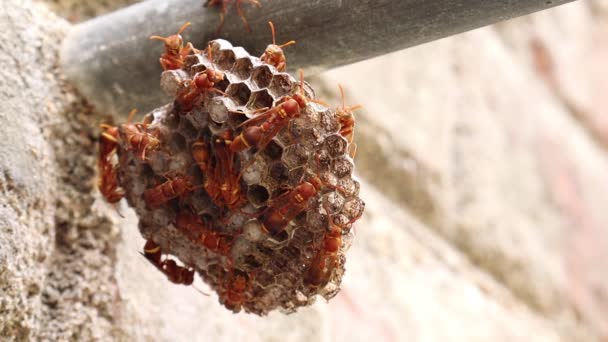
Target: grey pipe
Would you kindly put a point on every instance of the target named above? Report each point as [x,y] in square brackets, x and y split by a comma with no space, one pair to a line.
[114,64]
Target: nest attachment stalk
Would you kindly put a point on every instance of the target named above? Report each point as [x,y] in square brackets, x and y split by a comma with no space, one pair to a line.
[114,64]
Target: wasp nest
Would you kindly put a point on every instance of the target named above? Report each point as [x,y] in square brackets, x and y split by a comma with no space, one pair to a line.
[266,225]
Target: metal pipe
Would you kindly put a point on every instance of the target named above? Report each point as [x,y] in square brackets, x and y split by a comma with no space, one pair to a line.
[114,64]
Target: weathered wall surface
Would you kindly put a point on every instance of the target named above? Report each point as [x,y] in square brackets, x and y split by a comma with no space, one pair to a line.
[77,11]
[26,215]
[57,257]
[483,163]
[497,136]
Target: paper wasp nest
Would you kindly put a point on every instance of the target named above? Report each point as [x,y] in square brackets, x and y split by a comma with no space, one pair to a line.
[250,268]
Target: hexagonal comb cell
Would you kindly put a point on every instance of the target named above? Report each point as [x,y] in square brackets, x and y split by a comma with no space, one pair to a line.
[298,128]
[196,68]
[354,208]
[170,81]
[342,167]
[187,130]
[261,99]
[236,117]
[343,222]
[296,175]
[322,159]
[258,195]
[336,145]
[329,122]
[261,76]
[295,156]
[239,93]
[252,262]
[203,175]
[274,149]
[309,92]
[316,221]
[223,84]
[198,118]
[191,60]
[333,202]
[280,85]
[242,69]
[225,59]
[218,108]
[348,186]
[254,170]
[279,172]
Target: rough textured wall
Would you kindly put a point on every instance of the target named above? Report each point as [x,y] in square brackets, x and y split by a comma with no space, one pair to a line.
[57,251]
[26,165]
[485,210]
[77,11]
[501,139]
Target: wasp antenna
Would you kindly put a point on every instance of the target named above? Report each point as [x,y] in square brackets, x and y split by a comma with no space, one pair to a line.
[301,72]
[291,42]
[274,42]
[118,210]
[200,291]
[109,137]
[164,39]
[131,115]
[209,53]
[342,95]
[181,29]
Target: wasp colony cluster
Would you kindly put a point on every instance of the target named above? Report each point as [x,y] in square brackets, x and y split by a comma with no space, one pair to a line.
[245,179]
